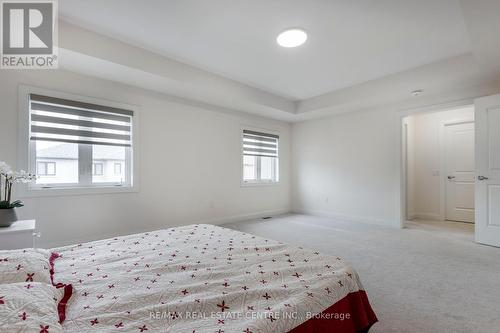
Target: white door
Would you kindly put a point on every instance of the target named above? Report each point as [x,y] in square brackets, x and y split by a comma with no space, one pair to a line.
[460,171]
[488,170]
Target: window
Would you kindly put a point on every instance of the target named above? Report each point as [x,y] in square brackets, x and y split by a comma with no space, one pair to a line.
[260,157]
[91,144]
[46,168]
[97,169]
[118,169]
[66,155]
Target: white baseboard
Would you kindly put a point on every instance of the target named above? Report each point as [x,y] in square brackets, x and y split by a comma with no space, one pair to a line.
[244,217]
[411,216]
[428,216]
[215,221]
[350,218]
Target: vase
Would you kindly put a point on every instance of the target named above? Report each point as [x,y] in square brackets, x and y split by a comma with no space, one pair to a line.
[7,217]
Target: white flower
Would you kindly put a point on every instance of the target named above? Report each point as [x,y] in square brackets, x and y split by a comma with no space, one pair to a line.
[22,177]
[5,169]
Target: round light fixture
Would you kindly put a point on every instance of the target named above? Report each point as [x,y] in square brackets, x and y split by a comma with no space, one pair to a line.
[292,38]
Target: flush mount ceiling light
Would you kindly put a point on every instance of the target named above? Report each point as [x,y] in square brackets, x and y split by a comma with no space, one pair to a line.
[292,38]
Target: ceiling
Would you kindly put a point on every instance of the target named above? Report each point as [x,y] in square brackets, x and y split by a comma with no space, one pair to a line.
[350,42]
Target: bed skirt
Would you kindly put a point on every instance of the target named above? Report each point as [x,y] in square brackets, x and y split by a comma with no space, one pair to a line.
[352,314]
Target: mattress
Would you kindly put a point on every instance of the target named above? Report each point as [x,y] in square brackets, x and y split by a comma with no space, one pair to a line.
[205,278]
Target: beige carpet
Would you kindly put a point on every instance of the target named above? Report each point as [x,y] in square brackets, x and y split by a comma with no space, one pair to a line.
[430,277]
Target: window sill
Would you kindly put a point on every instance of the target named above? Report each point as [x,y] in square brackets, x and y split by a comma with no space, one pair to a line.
[256,184]
[75,191]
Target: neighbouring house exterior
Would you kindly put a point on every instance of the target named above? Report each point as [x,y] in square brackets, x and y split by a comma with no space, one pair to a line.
[58,164]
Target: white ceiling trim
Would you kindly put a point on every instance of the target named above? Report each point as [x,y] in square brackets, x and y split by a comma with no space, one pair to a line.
[92,54]
[100,68]
[350,42]
[118,61]
[483,23]
[432,79]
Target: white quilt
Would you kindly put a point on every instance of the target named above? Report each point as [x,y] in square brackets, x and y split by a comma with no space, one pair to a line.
[198,278]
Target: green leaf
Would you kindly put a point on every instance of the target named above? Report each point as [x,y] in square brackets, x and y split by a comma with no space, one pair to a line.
[17,204]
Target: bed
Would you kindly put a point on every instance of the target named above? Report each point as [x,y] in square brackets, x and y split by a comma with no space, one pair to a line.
[204,278]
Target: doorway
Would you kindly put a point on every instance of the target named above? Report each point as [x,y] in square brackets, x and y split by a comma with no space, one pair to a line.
[439,166]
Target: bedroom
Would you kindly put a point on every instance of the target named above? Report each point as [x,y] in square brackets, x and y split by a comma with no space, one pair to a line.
[168,106]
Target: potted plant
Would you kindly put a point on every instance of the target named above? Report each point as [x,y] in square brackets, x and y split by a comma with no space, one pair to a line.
[7,179]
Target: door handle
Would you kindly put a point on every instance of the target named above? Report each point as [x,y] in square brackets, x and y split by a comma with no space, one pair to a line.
[482,178]
[451,177]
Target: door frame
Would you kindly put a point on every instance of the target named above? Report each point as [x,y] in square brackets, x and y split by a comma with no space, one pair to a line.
[401,189]
[405,166]
[442,165]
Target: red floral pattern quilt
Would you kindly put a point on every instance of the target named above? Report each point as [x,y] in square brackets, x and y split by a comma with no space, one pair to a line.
[29,307]
[27,265]
[198,278]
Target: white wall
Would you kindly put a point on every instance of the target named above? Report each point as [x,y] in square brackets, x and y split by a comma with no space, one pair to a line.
[345,166]
[190,165]
[427,168]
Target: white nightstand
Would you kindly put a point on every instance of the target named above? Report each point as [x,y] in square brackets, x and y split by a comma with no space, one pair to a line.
[19,235]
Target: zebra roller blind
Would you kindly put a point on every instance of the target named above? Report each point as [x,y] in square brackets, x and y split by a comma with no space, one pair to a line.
[260,144]
[61,120]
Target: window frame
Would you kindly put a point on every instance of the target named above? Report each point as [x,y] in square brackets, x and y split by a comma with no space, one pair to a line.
[117,164]
[46,163]
[276,171]
[27,160]
[94,169]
